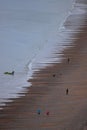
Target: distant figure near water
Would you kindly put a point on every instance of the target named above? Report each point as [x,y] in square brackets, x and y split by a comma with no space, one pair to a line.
[68,60]
[67,91]
[12,72]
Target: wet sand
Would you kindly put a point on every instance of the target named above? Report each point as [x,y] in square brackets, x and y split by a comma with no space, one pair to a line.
[48,93]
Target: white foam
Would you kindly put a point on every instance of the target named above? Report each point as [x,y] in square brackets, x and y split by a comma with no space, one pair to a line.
[45,57]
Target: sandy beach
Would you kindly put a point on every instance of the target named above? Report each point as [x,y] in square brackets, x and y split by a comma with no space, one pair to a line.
[58,110]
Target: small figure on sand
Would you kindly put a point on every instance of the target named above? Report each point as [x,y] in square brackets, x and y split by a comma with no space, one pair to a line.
[54,75]
[67,91]
[47,113]
[38,111]
[68,60]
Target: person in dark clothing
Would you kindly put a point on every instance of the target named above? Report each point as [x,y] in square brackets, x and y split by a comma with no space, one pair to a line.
[38,111]
[68,60]
[54,75]
[67,91]
[47,113]
[12,72]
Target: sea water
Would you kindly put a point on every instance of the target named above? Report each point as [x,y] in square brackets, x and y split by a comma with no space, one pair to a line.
[31,31]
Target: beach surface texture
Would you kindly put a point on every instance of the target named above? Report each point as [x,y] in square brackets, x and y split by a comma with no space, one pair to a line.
[57,99]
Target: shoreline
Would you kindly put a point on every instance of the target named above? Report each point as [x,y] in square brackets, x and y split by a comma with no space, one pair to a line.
[32,101]
[46,35]
[48,93]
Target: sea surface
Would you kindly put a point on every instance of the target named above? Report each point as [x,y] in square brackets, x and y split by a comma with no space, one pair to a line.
[31,31]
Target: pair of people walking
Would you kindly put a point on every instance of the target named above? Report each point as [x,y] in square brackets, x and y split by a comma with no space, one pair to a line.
[39,112]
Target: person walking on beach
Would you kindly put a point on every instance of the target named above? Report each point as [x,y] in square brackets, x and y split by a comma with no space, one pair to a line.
[38,111]
[54,75]
[68,60]
[67,91]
